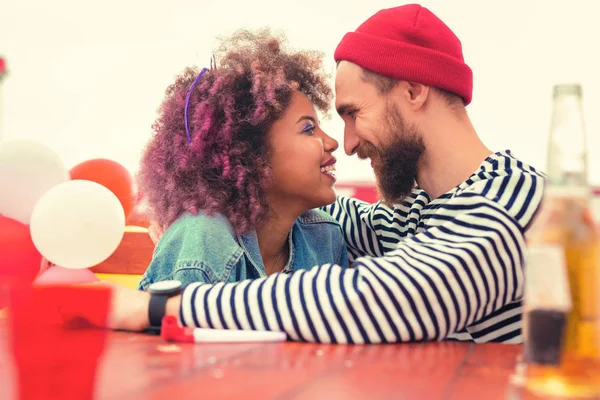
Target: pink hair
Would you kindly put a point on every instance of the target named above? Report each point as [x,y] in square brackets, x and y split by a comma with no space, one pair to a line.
[225,168]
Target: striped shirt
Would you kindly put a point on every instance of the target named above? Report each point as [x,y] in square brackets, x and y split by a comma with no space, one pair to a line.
[449,268]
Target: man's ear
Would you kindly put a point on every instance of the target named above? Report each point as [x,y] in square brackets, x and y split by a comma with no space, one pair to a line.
[413,94]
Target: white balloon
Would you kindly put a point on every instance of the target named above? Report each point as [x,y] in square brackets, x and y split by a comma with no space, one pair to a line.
[77,224]
[27,170]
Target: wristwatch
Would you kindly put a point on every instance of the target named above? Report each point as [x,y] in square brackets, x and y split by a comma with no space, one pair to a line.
[160,292]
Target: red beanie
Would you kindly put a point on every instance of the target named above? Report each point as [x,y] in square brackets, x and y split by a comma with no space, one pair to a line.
[409,43]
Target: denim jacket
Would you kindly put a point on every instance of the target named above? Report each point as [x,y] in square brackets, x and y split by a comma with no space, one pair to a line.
[202,248]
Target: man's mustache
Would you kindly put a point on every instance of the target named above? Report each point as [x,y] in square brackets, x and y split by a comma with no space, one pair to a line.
[366,150]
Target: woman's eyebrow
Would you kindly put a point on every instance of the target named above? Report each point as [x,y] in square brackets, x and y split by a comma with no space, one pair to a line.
[307,117]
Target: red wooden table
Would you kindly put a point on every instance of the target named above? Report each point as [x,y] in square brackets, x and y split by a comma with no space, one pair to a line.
[138,366]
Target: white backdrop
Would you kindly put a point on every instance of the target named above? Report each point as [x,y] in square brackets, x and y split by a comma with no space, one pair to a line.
[86,77]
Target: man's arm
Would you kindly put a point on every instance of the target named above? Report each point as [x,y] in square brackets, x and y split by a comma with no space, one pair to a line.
[435,283]
[369,229]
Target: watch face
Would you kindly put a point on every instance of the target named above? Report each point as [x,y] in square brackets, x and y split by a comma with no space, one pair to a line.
[164,287]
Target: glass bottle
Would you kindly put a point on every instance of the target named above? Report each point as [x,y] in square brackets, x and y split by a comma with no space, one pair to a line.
[562,266]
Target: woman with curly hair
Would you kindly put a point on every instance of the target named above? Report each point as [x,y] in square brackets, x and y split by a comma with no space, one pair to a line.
[238,164]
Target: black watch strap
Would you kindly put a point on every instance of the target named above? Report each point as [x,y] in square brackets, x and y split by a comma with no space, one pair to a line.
[157,309]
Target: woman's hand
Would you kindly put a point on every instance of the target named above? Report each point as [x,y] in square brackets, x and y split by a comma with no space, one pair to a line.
[128,308]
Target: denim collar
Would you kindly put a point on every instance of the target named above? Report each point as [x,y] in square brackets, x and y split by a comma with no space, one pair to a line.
[249,244]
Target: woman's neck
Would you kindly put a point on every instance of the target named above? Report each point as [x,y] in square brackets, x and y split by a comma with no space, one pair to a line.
[273,243]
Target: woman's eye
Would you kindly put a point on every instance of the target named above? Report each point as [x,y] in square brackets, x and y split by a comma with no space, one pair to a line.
[309,130]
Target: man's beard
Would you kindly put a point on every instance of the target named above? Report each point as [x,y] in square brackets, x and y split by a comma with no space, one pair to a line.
[396,163]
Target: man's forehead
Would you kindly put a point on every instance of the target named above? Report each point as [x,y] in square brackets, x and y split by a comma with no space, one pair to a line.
[347,81]
[347,73]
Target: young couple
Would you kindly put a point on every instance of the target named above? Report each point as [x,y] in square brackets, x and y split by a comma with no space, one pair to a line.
[239,163]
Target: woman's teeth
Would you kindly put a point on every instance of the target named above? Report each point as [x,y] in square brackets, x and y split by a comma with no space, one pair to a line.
[330,169]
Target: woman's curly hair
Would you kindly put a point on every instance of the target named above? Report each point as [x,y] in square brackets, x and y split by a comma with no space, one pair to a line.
[225,169]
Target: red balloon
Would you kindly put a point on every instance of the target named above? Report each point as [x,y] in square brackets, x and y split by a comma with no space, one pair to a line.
[19,259]
[111,175]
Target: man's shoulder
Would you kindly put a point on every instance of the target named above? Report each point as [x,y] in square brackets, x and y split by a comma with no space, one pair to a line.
[505,162]
[507,174]
[510,183]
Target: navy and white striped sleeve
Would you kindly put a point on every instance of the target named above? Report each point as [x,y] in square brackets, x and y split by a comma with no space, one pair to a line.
[367,227]
[434,284]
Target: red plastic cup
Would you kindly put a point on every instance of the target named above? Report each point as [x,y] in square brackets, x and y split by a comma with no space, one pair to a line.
[56,352]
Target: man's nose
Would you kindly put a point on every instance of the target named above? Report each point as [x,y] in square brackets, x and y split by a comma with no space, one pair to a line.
[351,140]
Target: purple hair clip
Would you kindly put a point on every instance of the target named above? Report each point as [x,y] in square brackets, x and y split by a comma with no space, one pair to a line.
[187,104]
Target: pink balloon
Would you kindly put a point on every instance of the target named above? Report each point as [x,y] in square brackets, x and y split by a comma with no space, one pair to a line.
[60,275]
